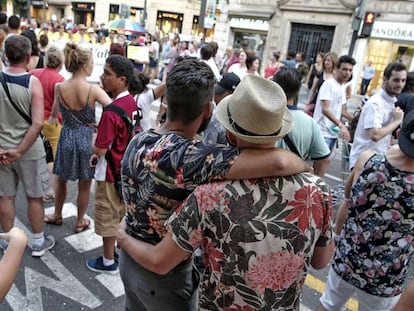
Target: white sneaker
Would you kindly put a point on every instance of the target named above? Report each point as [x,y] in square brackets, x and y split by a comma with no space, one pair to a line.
[40,250]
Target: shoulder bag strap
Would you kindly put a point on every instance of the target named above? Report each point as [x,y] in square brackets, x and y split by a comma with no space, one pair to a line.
[122,113]
[6,89]
[291,146]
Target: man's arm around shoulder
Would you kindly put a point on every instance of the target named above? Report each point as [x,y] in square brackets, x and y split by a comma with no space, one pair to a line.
[160,258]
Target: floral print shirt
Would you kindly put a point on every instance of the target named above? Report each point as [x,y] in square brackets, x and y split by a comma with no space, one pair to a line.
[159,172]
[258,238]
[376,243]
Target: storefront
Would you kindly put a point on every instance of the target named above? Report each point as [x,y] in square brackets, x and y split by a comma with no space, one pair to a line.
[199,32]
[249,33]
[40,10]
[390,41]
[84,12]
[169,22]
[134,13]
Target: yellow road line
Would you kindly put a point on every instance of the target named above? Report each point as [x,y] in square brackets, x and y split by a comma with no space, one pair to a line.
[319,286]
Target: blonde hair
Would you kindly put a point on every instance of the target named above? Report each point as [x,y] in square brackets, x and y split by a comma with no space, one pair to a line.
[76,57]
[53,57]
[334,57]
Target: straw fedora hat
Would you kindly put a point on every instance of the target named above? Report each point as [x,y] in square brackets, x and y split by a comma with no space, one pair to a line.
[256,112]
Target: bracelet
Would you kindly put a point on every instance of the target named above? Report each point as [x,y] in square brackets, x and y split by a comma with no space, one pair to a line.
[347,199]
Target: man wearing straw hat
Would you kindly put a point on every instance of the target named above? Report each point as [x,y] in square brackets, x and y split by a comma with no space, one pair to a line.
[259,236]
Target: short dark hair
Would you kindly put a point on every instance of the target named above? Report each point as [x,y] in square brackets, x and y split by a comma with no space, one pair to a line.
[395,66]
[345,59]
[190,87]
[17,48]
[138,83]
[276,55]
[206,52]
[43,40]
[250,60]
[122,66]
[289,81]
[14,22]
[409,84]
[291,54]
[3,18]
[30,34]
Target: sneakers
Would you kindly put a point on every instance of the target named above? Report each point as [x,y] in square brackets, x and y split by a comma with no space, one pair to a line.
[38,251]
[98,266]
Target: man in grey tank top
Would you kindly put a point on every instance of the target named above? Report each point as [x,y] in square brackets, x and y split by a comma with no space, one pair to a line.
[22,155]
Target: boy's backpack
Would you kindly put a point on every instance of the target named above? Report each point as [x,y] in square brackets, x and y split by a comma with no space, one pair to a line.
[132,130]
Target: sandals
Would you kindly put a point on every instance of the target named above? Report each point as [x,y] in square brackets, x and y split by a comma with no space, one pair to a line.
[83,226]
[53,220]
[57,221]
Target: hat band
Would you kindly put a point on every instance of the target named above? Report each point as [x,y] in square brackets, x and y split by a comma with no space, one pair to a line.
[242,131]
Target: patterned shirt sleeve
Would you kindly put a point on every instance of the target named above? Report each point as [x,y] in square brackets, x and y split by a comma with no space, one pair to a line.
[185,224]
[203,163]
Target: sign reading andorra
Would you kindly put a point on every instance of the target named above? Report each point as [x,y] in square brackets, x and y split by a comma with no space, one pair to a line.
[392,30]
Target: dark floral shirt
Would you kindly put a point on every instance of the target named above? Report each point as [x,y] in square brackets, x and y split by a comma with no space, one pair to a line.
[258,238]
[159,172]
[376,243]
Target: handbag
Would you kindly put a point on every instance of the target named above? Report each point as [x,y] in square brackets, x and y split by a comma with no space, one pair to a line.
[46,143]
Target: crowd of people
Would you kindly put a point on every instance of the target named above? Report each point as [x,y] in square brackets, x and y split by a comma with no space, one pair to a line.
[223,180]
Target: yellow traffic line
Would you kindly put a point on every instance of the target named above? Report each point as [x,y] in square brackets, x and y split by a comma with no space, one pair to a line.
[320,286]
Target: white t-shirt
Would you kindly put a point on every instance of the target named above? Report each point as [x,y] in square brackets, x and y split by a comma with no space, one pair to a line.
[239,71]
[333,91]
[213,67]
[376,113]
[145,100]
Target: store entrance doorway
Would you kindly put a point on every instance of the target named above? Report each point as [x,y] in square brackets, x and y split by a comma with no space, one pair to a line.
[311,39]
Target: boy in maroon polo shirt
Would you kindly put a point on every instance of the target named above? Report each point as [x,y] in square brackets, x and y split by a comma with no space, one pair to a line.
[113,137]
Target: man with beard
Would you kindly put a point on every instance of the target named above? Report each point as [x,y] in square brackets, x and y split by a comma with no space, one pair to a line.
[379,116]
[162,167]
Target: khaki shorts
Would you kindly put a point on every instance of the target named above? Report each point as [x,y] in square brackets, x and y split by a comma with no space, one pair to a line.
[32,173]
[52,133]
[109,209]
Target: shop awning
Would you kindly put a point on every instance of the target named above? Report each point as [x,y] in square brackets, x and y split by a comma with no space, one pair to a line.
[252,13]
[39,4]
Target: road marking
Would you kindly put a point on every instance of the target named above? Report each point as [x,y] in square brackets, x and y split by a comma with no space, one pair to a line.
[112,282]
[84,241]
[320,286]
[302,307]
[67,285]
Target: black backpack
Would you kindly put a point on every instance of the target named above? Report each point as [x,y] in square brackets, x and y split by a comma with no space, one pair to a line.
[132,130]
